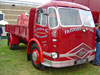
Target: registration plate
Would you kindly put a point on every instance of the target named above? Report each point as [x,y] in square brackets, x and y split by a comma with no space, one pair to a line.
[80,61]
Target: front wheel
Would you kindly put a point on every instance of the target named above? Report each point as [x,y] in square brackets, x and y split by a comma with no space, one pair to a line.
[35,57]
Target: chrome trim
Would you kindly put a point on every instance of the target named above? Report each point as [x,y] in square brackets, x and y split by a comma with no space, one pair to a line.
[59,64]
[72,54]
[47,54]
[50,63]
[34,56]
[91,58]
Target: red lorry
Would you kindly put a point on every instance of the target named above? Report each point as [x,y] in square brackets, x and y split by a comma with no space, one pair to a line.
[58,34]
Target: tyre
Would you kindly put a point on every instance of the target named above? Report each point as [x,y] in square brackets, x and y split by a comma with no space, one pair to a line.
[8,39]
[35,57]
[12,46]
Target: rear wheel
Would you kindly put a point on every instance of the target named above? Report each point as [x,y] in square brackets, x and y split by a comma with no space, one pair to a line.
[35,57]
[12,46]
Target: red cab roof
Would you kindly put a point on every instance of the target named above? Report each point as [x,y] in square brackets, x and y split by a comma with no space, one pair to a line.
[63,4]
[94,5]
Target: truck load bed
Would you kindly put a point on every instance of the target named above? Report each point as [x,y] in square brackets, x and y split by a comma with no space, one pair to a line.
[21,29]
[18,30]
[23,19]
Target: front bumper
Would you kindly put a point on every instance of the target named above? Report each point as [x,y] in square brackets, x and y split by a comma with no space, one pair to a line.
[59,64]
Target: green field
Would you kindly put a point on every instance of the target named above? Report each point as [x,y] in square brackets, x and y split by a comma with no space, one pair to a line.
[15,63]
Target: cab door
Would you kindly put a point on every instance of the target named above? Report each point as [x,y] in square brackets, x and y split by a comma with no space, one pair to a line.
[41,29]
[54,30]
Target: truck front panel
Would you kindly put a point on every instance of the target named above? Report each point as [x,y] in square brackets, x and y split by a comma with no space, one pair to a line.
[71,38]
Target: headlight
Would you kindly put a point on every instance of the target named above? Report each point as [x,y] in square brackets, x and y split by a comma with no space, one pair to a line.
[83,30]
[54,55]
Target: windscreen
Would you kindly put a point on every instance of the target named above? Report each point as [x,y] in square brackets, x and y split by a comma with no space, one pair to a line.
[69,16]
[53,22]
[87,19]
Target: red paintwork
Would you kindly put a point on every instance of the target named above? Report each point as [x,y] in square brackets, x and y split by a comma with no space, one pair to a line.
[9,42]
[63,4]
[29,47]
[94,5]
[20,31]
[22,19]
[74,42]
[13,38]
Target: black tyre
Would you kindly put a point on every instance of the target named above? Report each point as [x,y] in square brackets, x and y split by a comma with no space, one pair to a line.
[35,57]
[8,39]
[12,46]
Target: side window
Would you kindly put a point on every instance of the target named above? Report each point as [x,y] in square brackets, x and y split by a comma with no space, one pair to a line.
[42,18]
[39,17]
[52,18]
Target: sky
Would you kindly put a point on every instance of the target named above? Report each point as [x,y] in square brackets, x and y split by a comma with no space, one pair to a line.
[39,1]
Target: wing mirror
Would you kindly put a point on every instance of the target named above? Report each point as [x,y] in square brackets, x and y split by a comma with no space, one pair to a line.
[42,11]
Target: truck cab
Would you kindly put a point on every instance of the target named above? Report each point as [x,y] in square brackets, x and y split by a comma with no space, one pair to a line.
[66,33]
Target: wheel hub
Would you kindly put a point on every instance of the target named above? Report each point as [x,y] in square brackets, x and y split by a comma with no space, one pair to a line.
[34,56]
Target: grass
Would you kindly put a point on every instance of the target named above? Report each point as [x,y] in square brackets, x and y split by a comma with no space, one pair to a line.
[4,37]
[15,63]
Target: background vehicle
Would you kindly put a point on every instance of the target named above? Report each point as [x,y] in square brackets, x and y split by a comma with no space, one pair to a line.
[57,35]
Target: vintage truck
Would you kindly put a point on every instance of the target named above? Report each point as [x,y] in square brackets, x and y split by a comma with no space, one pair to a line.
[57,34]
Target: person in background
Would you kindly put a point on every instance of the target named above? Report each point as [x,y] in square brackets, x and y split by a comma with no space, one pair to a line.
[97,52]
[0,34]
